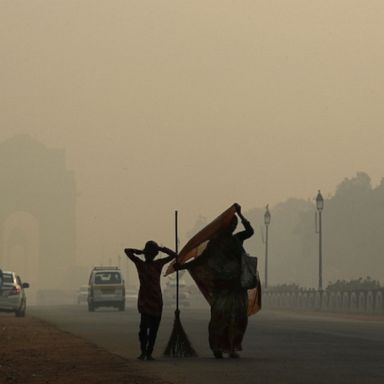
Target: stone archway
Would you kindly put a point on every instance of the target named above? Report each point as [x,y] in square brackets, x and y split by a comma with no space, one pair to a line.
[20,245]
[37,212]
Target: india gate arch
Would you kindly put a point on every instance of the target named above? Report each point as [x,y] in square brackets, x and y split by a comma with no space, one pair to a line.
[37,213]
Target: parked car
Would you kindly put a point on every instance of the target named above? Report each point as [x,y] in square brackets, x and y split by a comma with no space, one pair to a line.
[82,294]
[106,288]
[12,294]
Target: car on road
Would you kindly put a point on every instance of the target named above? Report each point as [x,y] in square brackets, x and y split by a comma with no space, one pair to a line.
[82,294]
[106,288]
[12,294]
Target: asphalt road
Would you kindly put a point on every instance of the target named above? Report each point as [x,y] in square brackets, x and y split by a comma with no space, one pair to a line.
[279,347]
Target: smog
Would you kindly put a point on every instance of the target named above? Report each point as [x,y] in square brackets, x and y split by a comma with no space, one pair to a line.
[116,115]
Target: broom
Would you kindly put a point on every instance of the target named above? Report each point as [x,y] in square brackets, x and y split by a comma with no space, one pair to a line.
[178,344]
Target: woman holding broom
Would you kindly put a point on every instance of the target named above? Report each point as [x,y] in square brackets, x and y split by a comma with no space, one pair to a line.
[220,263]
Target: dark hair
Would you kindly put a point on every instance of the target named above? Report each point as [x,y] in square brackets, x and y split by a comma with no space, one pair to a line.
[151,249]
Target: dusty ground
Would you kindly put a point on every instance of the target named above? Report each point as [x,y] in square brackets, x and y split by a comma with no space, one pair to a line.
[32,351]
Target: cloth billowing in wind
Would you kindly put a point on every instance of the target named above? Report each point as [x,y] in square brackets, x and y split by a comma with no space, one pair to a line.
[201,274]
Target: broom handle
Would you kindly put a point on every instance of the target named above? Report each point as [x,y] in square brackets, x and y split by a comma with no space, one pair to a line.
[177,254]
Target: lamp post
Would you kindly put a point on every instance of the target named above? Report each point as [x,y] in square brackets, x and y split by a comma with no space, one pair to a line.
[320,206]
[267,221]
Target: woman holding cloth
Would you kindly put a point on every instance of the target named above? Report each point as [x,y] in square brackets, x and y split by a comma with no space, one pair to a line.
[219,265]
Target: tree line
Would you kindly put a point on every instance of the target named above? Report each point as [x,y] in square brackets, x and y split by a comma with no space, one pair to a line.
[353,236]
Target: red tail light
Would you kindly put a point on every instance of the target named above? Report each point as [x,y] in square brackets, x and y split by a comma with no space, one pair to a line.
[15,291]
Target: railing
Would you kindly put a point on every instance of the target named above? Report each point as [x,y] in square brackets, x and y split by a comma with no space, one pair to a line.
[351,301]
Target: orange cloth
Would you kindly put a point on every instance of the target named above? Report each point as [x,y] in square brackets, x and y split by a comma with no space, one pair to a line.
[195,247]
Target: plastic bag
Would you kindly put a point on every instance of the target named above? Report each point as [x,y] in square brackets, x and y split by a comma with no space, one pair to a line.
[248,277]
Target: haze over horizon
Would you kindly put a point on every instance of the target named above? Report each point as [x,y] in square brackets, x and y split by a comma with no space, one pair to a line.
[193,106]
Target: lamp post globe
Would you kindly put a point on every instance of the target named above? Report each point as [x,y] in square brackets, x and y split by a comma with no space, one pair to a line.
[319,201]
[267,216]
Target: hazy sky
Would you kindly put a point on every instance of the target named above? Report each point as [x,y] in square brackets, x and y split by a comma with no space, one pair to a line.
[193,105]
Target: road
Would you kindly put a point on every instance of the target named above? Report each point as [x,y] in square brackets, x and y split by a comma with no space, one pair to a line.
[279,347]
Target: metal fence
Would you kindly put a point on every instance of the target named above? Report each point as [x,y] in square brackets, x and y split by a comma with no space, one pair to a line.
[351,301]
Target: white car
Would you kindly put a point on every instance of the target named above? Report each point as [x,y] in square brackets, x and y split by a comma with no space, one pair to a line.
[106,288]
[12,295]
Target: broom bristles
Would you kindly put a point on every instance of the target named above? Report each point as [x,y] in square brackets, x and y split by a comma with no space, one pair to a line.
[179,344]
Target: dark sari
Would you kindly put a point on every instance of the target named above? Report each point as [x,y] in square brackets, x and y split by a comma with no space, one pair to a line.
[219,266]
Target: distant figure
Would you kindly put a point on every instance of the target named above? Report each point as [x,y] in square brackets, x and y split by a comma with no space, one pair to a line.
[221,263]
[150,301]
[1,278]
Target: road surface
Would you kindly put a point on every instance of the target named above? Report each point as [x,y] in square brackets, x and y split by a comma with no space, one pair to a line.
[279,347]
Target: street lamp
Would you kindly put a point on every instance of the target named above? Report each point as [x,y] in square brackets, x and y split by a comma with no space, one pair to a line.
[320,206]
[267,221]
